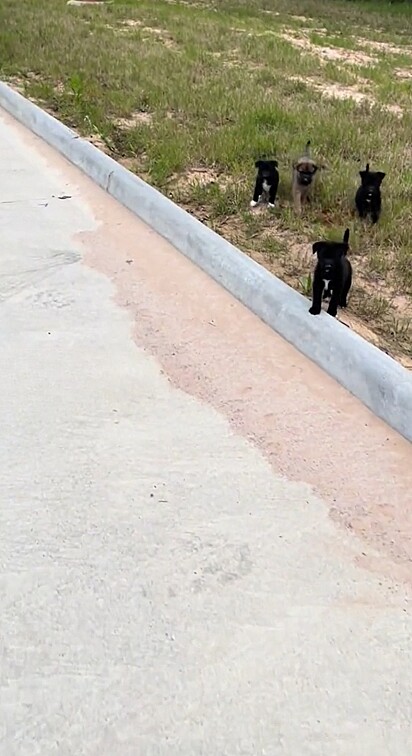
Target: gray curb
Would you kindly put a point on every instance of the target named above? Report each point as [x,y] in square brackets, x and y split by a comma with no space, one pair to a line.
[376,379]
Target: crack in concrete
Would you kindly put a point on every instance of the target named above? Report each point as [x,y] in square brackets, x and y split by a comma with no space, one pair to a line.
[108,180]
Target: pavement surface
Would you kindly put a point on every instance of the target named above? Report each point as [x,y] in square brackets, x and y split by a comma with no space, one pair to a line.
[205,542]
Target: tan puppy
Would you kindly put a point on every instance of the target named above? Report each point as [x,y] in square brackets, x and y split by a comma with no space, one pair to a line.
[304,171]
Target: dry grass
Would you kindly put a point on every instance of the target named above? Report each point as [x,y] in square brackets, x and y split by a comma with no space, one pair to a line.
[189,94]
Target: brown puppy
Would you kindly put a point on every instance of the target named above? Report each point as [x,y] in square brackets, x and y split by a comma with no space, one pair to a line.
[304,171]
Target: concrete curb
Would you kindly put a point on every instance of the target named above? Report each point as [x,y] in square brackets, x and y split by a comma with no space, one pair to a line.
[383,385]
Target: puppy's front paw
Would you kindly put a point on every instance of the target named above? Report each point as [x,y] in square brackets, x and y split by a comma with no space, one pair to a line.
[253,203]
[271,205]
[344,303]
[314,310]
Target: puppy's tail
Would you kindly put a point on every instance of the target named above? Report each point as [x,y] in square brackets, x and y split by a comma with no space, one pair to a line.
[346,237]
[307,149]
[367,168]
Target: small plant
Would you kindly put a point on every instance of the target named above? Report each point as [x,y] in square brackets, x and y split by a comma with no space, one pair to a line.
[400,327]
[76,84]
[305,283]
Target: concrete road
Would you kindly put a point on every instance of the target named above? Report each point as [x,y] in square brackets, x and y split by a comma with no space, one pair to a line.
[205,542]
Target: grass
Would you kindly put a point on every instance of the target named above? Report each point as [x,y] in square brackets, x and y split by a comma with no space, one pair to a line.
[189,93]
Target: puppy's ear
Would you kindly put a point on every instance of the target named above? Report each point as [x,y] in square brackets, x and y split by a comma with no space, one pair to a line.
[380,176]
[274,163]
[346,236]
[317,247]
[259,163]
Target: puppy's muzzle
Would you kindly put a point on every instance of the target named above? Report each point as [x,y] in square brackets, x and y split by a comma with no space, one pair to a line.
[305,179]
[327,271]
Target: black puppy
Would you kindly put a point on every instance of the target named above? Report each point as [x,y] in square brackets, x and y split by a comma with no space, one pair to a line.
[333,275]
[368,197]
[267,180]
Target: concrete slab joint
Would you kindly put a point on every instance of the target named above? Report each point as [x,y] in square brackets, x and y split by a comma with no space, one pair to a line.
[382,384]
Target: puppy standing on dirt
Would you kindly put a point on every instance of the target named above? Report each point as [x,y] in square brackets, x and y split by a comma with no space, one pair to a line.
[267,180]
[304,171]
[368,197]
[333,275]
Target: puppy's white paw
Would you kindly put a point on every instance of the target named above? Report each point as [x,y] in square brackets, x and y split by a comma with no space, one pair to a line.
[253,203]
[271,205]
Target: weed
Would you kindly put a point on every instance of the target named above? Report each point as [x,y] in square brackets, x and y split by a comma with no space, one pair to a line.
[306,285]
